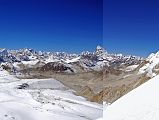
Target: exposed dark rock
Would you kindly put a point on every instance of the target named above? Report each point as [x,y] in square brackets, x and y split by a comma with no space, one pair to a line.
[23,86]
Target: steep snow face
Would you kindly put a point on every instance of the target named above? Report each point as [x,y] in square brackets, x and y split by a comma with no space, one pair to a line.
[149,68]
[42,99]
[140,104]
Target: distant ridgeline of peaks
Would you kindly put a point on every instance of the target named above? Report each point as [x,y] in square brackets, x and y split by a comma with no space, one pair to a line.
[96,60]
[30,54]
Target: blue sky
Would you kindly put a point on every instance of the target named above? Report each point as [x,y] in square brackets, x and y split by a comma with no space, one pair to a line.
[52,25]
[131,26]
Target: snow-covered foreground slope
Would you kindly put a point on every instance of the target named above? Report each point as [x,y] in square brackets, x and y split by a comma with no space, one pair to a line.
[140,104]
[44,99]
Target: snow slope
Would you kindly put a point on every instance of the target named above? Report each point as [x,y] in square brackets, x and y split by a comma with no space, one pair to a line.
[149,68]
[44,99]
[140,104]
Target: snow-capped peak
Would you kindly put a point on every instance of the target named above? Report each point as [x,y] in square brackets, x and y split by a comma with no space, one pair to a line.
[151,67]
[153,56]
[3,52]
[100,50]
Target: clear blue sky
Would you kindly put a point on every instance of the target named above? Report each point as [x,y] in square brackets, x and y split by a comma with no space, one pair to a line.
[56,25]
[131,26]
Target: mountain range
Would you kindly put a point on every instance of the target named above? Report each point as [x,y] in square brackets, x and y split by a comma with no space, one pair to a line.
[103,76]
[96,60]
[98,76]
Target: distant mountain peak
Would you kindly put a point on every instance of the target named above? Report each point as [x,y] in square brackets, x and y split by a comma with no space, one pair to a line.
[99,47]
[100,50]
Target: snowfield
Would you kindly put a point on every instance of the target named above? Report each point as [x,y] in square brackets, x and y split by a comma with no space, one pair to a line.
[42,99]
[140,104]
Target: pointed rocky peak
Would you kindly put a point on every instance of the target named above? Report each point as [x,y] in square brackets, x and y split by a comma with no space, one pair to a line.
[99,47]
[100,50]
